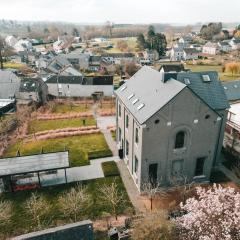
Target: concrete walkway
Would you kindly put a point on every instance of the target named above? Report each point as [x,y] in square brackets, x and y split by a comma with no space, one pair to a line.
[92,171]
[131,188]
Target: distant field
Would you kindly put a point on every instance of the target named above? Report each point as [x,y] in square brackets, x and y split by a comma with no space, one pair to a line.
[131,41]
[40,125]
[223,76]
[80,148]
[13,65]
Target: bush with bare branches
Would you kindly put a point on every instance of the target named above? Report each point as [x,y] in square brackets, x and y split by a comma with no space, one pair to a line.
[73,203]
[113,196]
[38,208]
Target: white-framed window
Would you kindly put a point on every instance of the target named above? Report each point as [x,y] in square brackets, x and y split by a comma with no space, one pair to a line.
[127,120]
[136,135]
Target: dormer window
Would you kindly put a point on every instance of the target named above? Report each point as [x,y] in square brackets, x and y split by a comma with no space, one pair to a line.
[206,78]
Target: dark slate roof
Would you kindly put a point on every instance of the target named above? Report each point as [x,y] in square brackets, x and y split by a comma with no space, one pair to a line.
[9,84]
[98,80]
[65,79]
[30,84]
[88,80]
[232,90]
[172,67]
[190,50]
[144,98]
[118,55]
[212,93]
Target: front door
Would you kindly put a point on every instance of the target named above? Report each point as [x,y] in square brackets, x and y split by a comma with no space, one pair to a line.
[152,173]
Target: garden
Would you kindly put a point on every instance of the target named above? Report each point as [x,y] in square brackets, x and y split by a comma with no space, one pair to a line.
[28,211]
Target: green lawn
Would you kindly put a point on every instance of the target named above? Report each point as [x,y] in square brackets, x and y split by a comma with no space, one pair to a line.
[42,125]
[81,148]
[218,68]
[21,223]
[65,108]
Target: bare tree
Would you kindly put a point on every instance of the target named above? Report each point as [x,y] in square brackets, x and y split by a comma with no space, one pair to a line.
[113,196]
[152,191]
[73,202]
[154,226]
[38,208]
[5,212]
[182,184]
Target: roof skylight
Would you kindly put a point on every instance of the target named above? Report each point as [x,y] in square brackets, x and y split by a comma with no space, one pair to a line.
[235,86]
[131,96]
[206,78]
[135,101]
[140,106]
[123,88]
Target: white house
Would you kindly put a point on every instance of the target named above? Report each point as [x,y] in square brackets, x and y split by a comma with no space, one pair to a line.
[23,45]
[190,54]
[11,41]
[211,48]
[235,43]
[176,54]
[224,46]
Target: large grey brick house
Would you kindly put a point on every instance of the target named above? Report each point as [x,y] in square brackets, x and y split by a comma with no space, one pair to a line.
[170,125]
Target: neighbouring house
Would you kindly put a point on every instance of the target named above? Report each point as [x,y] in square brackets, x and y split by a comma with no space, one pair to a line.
[211,48]
[94,63]
[176,54]
[171,125]
[32,90]
[224,46]
[185,40]
[118,58]
[172,68]
[81,60]
[79,86]
[9,84]
[235,43]
[232,130]
[23,45]
[197,46]
[11,41]
[57,64]
[190,54]
[151,55]
[59,46]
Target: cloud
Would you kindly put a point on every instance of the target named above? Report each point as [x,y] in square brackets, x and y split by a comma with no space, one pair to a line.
[122,11]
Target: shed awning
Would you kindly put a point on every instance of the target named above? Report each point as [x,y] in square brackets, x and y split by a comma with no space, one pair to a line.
[33,163]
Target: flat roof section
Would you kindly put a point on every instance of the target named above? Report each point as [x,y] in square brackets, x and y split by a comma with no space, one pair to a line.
[33,163]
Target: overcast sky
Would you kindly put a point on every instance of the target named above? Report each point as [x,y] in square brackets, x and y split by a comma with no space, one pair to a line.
[122,11]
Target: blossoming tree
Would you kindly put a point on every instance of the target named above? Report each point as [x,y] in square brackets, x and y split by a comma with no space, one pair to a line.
[214,215]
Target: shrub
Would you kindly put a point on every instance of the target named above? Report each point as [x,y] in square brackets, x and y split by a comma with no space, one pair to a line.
[99,154]
[110,169]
